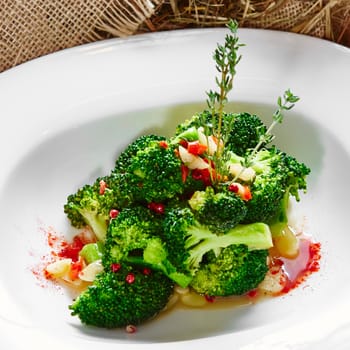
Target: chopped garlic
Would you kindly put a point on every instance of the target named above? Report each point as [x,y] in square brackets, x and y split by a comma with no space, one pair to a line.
[274,282]
[193,300]
[59,268]
[181,290]
[89,272]
[192,161]
[172,302]
[244,174]
[208,141]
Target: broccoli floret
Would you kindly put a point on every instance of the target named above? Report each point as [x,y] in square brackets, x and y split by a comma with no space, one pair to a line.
[219,211]
[126,297]
[134,237]
[188,241]
[236,271]
[278,175]
[188,130]
[125,158]
[151,174]
[196,180]
[243,130]
[129,233]
[121,187]
[245,134]
[297,174]
[89,206]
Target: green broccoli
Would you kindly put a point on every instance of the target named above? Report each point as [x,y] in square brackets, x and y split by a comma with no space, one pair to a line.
[125,296]
[91,205]
[246,132]
[152,173]
[188,241]
[134,237]
[297,173]
[129,233]
[146,171]
[235,271]
[277,176]
[126,156]
[243,130]
[219,211]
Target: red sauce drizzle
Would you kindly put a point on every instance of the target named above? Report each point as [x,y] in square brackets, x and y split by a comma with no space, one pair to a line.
[296,271]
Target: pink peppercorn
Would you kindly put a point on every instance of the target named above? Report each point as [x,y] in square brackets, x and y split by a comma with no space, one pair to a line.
[130,278]
[130,328]
[113,213]
[115,267]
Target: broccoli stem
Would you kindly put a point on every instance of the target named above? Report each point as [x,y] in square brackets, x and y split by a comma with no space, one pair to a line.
[280,221]
[155,257]
[92,252]
[256,236]
[98,224]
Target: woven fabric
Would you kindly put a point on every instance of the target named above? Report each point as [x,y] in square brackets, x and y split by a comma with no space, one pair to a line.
[32,28]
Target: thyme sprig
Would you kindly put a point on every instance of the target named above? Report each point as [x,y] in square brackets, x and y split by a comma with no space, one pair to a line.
[284,103]
[226,58]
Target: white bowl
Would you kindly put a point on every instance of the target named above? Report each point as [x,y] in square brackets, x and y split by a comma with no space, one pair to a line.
[66,116]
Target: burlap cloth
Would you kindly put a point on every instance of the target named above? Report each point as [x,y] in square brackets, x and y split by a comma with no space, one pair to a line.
[32,28]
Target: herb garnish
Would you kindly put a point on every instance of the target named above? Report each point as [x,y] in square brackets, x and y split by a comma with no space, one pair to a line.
[226,58]
[284,103]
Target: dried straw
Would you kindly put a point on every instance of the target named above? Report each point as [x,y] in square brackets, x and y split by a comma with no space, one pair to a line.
[327,19]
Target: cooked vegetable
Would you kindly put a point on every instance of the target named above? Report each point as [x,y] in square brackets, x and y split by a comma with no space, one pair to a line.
[198,210]
[188,241]
[91,205]
[219,211]
[235,271]
[278,176]
[133,238]
[125,296]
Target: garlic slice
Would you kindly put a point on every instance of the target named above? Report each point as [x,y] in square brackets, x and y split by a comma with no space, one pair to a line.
[59,268]
[244,174]
[207,141]
[192,161]
[89,272]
